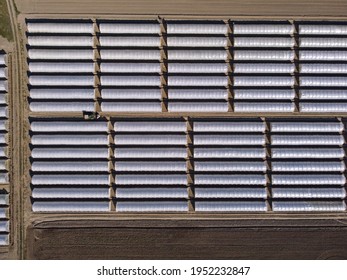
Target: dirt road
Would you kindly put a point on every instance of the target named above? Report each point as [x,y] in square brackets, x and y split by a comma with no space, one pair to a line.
[188,7]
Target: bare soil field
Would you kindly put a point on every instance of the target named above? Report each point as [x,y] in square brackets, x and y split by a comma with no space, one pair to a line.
[188,7]
[150,239]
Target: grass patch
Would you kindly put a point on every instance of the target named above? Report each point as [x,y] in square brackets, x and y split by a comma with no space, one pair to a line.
[15,8]
[5,23]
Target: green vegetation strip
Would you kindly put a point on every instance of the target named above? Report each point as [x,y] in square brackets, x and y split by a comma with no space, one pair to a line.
[5,23]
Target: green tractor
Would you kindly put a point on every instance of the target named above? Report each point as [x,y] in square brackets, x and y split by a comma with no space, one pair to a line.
[90,115]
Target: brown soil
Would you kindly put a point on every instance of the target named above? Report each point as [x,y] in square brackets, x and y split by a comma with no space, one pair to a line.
[188,7]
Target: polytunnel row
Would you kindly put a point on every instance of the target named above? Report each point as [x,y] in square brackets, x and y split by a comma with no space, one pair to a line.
[187,66]
[189,164]
[4,188]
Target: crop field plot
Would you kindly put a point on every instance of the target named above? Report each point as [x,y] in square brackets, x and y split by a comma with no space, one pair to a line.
[187,163]
[173,165]
[187,67]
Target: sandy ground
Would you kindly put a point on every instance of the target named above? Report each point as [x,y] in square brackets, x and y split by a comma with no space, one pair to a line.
[188,7]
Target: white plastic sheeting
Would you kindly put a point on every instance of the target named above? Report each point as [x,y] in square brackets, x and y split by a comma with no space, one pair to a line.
[61,106]
[264,68]
[140,166]
[227,166]
[3,99]
[262,94]
[68,166]
[165,179]
[198,107]
[149,126]
[78,67]
[230,193]
[150,206]
[215,81]
[263,81]
[323,42]
[264,107]
[196,28]
[226,126]
[308,153]
[3,125]
[303,140]
[311,94]
[233,206]
[323,107]
[4,226]
[107,41]
[71,193]
[197,55]
[306,127]
[323,55]
[3,213]
[60,27]
[60,41]
[3,58]
[323,81]
[71,206]
[229,140]
[197,68]
[308,193]
[69,140]
[3,112]
[70,179]
[323,68]
[4,199]
[150,153]
[62,93]
[3,72]
[70,153]
[263,55]
[3,85]
[308,206]
[130,81]
[308,179]
[3,138]
[280,29]
[131,93]
[43,80]
[322,29]
[4,178]
[192,42]
[198,94]
[130,54]
[4,239]
[66,126]
[264,42]
[131,107]
[308,166]
[139,139]
[61,54]
[229,153]
[151,193]
[107,67]
[3,151]
[129,28]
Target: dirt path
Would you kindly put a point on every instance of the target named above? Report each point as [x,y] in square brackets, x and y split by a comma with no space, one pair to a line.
[188,7]
[16,124]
